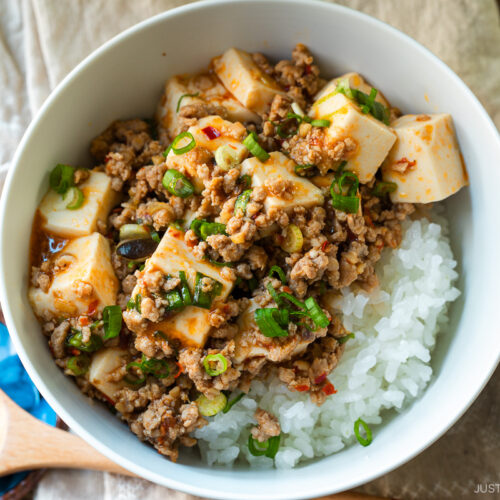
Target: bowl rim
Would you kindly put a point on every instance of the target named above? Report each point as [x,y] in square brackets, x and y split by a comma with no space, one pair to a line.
[142,471]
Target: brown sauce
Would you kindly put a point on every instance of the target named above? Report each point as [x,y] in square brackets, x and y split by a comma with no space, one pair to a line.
[43,245]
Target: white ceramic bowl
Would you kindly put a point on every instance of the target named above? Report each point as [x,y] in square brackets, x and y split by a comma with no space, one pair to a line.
[124,79]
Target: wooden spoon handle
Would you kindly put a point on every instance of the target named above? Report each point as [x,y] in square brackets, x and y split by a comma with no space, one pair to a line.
[27,443]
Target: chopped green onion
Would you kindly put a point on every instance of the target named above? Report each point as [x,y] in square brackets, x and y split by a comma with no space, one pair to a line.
[320,123]
[185,292]
[174,300]
[210,407]
[221,264]
[361,440]
[182,97]
[293,239]
[135,303]
[203,229]
[177,184]
[112,321]
[273,293]
[296,302]
[317,314]
[78,364]
[345,338]
[350,202]
[74,198]
[232,402]
[268,448]
[242,201]
[133,232]
[155,236]
[281,274]
[305,170]
[287,135]
[382,188]
[61,178]
[201,298]
[296,116]
[184,149]
[218,360]
[270,321]
[226,157]
[245,179]
[93,344]
[159,368]
[251,142]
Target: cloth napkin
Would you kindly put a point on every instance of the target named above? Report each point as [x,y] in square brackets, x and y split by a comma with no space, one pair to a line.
[42,40]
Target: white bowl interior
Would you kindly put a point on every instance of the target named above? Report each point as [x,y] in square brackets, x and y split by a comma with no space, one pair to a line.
[124,79]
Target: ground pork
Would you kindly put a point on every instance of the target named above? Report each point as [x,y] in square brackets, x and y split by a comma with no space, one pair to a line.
[267,426]
[58,339]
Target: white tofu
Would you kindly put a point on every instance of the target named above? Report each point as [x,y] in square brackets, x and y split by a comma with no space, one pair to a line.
[244,79]
[356,81]
[279,166]
[250,343]
[231,134]
[190,326]
[102,367]
[373,138]
[211,92]
[88,262]
[425,162]
[99,199]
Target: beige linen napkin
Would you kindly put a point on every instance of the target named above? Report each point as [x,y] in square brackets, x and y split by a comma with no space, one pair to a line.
[42,40]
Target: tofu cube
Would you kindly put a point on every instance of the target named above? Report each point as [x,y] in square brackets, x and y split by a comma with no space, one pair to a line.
[99,199]
[280,168]
[230,134]
[189,326]
[211,93]
[86,278]
[103,370]
[250,343]
[425,162]
[373,139]
[356,81]
[244,79]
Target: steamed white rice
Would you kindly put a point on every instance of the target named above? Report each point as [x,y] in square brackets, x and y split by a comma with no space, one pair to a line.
[386,366]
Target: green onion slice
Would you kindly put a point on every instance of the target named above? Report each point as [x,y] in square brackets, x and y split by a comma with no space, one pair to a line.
[242,201]
[273,293]
[184,149]
[204,299]
[75,340]
[350,202]
[320,123]
[74,198]
[112,321]
[135,303]
[61,178]
[159,368]
[177,184]
[306,170]
[218,360]
[382,188]
[221,264]
[363,441]
[245,179]
[182,97]
[318,316]
[175,300]
[155,236]
[79,364]
[271,321]
[232,402]
[277,270]
[268,448]
[292,299]
[345,338]
[185,292]
[251,142]
[203,229]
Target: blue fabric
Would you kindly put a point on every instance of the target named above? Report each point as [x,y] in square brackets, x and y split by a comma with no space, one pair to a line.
[14,381]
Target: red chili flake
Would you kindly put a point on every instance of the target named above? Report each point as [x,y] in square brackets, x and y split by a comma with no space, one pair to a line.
[409,163]
[109,400]
[368,220]
[329,389]
[325,246]
[301,388]
[308,69]
[92,307]
[181,369]
[117,210]
[75,352]
[320,379]
[287,289]
[107,158]
[211,133]
[84,320]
